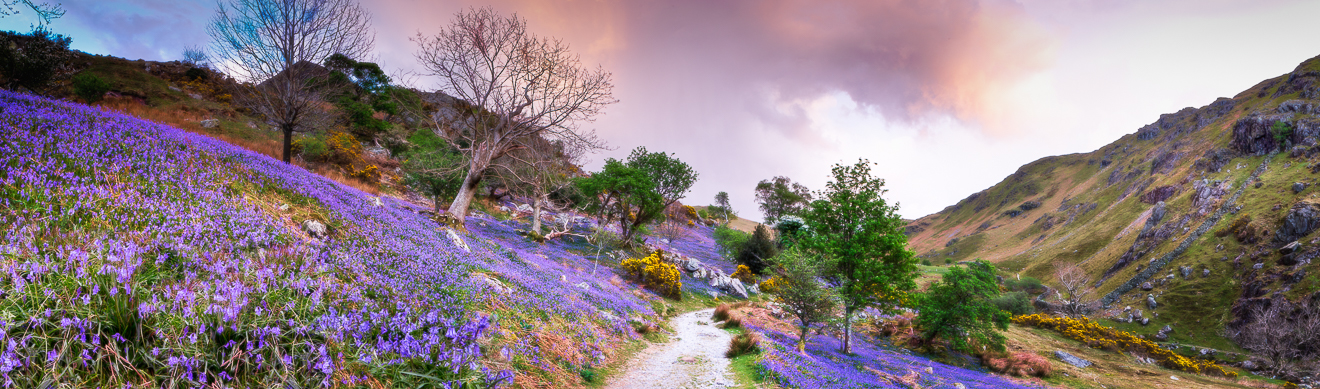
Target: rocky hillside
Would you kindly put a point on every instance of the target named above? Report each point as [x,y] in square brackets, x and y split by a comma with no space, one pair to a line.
[1193,218]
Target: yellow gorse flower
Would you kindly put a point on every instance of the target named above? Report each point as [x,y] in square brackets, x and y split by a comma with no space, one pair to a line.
[1097,336]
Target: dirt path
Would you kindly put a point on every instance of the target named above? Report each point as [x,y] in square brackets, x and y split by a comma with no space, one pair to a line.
[694,359]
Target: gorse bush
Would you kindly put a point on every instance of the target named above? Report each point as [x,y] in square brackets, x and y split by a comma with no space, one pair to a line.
[1100,337]
[89,87]
[744,274]
[652,271]
[770,285]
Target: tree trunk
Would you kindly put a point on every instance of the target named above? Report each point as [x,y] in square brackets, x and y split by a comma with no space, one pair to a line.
[847,331]
[288,142]
[802,340]
[481,157]
[536,215]
[436,202]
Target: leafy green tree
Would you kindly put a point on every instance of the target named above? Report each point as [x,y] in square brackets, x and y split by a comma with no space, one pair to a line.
[433,167]
[853,225]
[730,240]
[1282,133]
[780,197]
[722,201]
[801,291]
[637,193]
[367,92]
[757,249]
[960,307]
[623,194]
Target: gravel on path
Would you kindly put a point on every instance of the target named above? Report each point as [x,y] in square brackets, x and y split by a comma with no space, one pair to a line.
[693,359]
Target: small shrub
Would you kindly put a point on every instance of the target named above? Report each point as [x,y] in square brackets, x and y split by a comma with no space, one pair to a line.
[1025,284]
[722,312]
[744,274]
[1016,303]
[196,74]
[734,321]
[925,262]
[743,344]
[32,61]
[770,285]
[89,87]
[312,149]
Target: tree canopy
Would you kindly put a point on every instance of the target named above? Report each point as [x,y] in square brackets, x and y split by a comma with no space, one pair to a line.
[780,196]
[958,308]
[851,223]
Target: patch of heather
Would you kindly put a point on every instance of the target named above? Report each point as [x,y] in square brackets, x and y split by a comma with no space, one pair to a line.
[140,254]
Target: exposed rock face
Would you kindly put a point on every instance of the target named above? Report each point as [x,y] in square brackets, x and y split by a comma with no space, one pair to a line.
[1215,159]
[1071,359]
[1298,106]
[1253,135]
[210,123]
[1302,218]
[1160,194]
[1206,193]
[1298,187]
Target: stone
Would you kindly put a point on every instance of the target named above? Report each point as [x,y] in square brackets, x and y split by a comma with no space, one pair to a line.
[1290,248]
[1258,266]
[495,284]
[583,285]
[691,264]
[959,385]
[1072,359]
[375,201]
[1167,328]
[284,207]
[1147,286]
[458,241]
[505,209]
[1127,309]
[1249,365]
[1138,314]
[754,289]
[524,208]
[930,370]
[1303,218]
[1298,187]
[1161,336]
[1150,301]
[210,123]
[195,96]
[314,228]
[1186,271]
[1145,321]
[735,287]
[1205,273]
[175,88]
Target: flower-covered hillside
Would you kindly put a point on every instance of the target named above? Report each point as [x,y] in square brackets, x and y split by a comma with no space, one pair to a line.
[137,253]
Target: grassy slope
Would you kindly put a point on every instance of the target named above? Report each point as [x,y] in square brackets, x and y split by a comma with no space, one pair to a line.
[1198,308]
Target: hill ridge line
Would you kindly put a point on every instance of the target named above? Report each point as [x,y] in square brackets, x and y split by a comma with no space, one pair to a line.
[1159,264]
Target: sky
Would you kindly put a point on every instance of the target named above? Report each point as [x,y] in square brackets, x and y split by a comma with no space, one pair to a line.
[947,97]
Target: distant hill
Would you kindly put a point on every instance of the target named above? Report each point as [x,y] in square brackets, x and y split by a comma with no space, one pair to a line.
[1191,209]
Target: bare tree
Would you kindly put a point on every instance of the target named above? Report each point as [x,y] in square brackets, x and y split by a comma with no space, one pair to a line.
[538,168]
[1073,282]
[513,85]
[45,12]
[1284,333]
[194,56]
[274,46]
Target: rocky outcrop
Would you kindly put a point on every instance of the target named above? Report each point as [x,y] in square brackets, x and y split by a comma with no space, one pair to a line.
[1302,219]
[1215,159]
[1253,134]
[1160,194]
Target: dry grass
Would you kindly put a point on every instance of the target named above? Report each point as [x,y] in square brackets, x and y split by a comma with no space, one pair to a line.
[1021,364]
[743,344]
